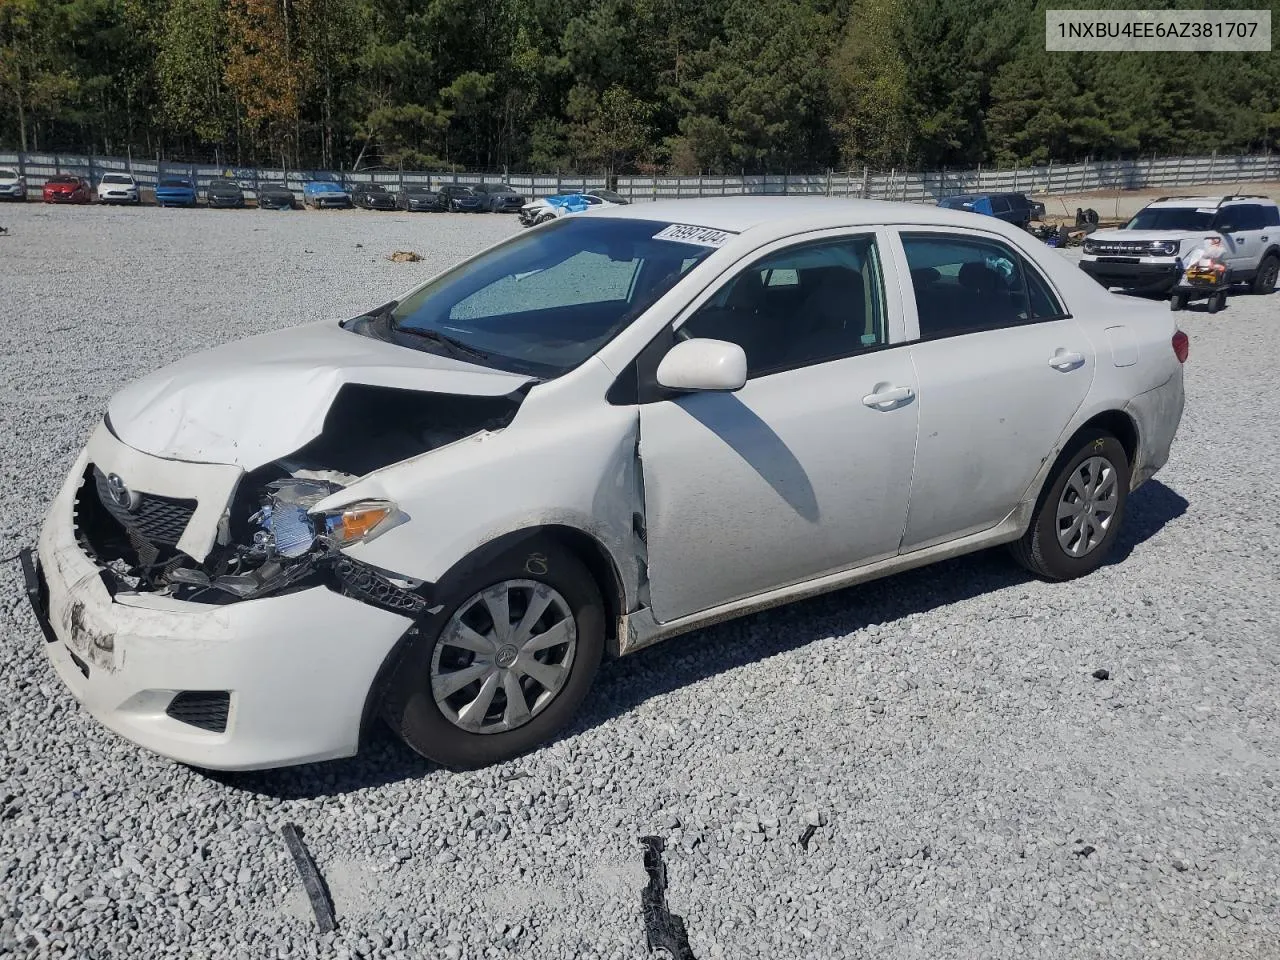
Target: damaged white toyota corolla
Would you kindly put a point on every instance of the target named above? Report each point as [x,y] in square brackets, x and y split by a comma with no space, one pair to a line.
[605,431]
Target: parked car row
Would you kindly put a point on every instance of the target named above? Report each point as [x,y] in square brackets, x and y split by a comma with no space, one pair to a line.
[416,198]
[182,191]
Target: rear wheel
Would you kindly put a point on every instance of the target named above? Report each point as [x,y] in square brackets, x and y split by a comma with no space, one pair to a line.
[1078,516]
[506,663]
[1264,280]
[1216,302]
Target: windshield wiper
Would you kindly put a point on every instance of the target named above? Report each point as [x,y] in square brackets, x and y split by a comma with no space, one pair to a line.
[454,346]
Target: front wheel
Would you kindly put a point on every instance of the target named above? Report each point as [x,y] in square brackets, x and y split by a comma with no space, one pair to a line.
[505,664]
[1078,516]
[1217,302]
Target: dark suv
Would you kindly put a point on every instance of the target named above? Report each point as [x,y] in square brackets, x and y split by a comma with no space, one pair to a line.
[498,197]
[1013,208]
[460,199]
[373,196]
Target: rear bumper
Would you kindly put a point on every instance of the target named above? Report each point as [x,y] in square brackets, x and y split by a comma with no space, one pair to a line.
[1149,277]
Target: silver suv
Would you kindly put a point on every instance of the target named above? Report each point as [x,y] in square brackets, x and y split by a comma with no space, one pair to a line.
[1145,255]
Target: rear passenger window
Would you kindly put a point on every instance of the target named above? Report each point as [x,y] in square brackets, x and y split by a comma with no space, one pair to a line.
[964,284]
[1244,216]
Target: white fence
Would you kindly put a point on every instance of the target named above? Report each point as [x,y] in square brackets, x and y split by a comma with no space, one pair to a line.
[878,185]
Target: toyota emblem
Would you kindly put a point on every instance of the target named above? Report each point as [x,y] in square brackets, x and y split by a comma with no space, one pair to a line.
[123,497]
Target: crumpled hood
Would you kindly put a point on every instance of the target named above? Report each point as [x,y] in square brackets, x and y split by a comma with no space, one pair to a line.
[253,401]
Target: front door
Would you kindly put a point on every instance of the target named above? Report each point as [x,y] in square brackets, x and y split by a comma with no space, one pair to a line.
[807,468]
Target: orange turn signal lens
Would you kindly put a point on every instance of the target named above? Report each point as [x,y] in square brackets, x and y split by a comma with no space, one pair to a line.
[359,520]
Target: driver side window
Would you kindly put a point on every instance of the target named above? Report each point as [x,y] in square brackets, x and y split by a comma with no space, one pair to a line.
[806,304]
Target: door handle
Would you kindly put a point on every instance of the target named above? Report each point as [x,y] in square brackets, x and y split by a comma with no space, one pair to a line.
[888,397]
[1065,360]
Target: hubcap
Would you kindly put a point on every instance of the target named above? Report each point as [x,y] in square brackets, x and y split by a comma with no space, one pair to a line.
[1087,506]
[503,656]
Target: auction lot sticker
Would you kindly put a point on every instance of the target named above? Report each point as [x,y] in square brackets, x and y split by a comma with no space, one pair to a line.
[700,236]
[1167,30]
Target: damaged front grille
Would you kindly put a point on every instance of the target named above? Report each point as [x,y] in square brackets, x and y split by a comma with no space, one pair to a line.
[148,516]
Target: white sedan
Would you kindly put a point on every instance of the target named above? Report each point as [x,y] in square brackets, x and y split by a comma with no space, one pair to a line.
[118,188]
[600,433]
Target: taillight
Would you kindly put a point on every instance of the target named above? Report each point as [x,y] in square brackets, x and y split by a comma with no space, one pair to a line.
[1181,346]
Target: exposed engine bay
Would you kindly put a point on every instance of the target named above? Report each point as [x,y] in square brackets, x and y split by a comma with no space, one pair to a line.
[271,539]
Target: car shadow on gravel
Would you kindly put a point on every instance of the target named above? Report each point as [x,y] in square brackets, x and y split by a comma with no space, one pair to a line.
[624,684]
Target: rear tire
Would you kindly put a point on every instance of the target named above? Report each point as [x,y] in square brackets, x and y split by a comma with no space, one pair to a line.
[1264,281]
[434,726]
[1079,514]
[1216,302]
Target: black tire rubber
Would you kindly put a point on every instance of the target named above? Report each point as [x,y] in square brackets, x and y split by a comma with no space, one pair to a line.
[1038,549]
[407,703]
[1264,281]
[1175,302]
[1216,302]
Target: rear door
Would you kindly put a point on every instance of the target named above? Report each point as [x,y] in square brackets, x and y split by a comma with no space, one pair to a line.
[1002,368]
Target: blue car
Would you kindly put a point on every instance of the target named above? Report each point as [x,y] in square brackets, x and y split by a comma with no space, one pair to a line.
[176,192]
[1013,208]
[324,193]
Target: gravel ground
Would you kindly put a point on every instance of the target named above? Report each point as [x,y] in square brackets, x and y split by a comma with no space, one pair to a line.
[976,791]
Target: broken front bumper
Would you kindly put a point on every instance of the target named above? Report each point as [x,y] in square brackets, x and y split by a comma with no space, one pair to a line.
[238,686]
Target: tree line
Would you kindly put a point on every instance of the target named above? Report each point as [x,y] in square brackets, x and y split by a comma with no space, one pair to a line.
[589,86]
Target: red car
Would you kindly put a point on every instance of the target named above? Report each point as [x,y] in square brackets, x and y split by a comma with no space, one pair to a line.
[67,189]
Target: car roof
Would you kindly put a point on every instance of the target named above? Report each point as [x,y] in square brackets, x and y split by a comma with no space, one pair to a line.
[1222,201]
[738,214]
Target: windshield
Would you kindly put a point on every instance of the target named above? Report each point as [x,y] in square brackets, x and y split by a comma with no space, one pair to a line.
[545,301]
[7,174]
[609,195]
[175,183]
[116,178]
[224,183]
[956,203]
[1172,218]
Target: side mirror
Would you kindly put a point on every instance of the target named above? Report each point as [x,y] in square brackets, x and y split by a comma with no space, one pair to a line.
[703,365]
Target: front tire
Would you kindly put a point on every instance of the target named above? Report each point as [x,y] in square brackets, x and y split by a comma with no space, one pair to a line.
[1217,302]
[1079,515]
[507,661]
[1264,281]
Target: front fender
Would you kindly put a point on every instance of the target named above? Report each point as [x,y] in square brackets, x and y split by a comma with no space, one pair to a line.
[562,461]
